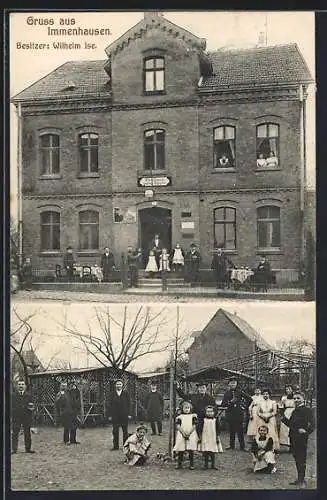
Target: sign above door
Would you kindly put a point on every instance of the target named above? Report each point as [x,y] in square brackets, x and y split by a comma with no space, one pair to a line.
[154,181]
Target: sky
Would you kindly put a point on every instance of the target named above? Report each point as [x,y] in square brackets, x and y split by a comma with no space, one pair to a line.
[220,29]
[275,321]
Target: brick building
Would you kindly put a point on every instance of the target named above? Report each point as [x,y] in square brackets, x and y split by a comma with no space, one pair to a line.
[226,337]
[165,137]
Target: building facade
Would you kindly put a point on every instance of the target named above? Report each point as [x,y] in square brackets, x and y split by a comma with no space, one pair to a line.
[165,137]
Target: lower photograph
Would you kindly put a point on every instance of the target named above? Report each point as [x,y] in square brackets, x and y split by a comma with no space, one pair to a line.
[196,396]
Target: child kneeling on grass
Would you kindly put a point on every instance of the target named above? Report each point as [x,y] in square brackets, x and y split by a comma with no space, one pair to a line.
[186,435]
[263,452]
[137,446]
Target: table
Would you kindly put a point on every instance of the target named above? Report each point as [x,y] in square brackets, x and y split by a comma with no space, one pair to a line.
[95,271]
[240,274]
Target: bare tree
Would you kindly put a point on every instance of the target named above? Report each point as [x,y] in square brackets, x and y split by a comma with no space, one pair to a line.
[128,343]
[20,335]
[298,346]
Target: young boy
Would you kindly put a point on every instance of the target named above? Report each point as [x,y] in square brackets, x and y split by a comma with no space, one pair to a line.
[208,431]
[137,446]
[263,452]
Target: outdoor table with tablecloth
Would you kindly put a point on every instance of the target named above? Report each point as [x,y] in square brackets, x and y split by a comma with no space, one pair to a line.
[240,275]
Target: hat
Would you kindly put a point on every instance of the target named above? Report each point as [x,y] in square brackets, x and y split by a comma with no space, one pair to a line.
[141,426]
[119,380]
[232,379]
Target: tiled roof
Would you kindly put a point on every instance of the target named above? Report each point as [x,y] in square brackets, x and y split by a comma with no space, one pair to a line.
[89,79]
[257,66]
[247,330]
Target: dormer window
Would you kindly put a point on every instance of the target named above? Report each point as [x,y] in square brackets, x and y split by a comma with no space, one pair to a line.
[154,75]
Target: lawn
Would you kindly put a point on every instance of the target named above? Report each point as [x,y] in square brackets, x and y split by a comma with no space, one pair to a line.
[91,465]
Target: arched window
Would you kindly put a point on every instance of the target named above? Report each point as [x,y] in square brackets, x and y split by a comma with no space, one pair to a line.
[50,230]
[225,228]
[89,230]
[268,145]
[268,225]
[88,151]
[154,74]
[224,147]
[154,149]
[49,154]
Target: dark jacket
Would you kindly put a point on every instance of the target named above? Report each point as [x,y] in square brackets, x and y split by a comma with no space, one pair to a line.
[119,407]
[198,401]
[21,407]
[301,418]
[219,265]
[67,406]
[133,259]
[236,401]
[107,263]
[193,259]
[154,406]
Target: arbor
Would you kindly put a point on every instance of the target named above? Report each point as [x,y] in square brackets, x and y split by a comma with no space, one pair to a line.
[120,343]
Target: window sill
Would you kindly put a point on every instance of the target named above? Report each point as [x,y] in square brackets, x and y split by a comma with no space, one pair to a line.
[91,175]
[50,176]
[226,252]
[267,169]
[219,170]
[269,251]
[86,253]
[154,92]
[50,253]
[152,173]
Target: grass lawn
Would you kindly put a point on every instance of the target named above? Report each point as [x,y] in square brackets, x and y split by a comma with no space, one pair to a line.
[93,466]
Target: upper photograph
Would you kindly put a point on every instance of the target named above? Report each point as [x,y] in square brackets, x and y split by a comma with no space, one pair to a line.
[162,155]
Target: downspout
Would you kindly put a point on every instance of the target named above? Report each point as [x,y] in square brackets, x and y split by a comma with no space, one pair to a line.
[302,173]
[20,183]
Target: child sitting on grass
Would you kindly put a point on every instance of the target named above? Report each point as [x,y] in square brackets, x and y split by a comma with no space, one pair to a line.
[263,452]
[137,446]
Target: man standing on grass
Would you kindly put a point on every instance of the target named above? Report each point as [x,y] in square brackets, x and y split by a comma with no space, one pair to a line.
[301,424]
[21,416]
[119,413]
[235,402]
[199,400]
[68,406]
[154,409]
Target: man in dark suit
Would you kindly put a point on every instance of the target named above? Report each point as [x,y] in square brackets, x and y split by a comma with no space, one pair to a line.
[192,264]
[235,401]
[69,262]
[67,403]
[107,263]
[119,413]
[199,399]
[301,424]
[156,247]
[21,415]
[133,263]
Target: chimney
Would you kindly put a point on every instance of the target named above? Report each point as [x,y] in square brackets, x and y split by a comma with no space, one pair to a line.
[152,15]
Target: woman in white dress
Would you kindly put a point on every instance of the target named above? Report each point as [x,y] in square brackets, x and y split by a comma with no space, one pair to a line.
[253,414]
[263,452]
[187,438]
[287,405]
[261,161]
[272,160]
[178,258]
[151,266]
[267,411]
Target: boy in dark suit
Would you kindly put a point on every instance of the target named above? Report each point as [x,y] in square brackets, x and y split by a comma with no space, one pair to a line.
[301,424]
[119,413]
[21,415]
[236,401]
[67,405]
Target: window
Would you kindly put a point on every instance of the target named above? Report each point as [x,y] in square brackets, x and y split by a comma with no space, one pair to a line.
[154,74]
[267,145]
[49,154]
[50,231]
[118,215]
[88,146]
[225,228]
[268,218]
[224,147]
[88,230]
[154,149]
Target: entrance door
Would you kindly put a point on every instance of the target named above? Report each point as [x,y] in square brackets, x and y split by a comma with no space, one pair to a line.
[154,220]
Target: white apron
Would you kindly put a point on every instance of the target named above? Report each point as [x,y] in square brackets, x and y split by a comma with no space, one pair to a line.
[289,406]
[178,256]
[267,458]
[253,425]
[266,408]
[190,444]
[151,266]
[209,437]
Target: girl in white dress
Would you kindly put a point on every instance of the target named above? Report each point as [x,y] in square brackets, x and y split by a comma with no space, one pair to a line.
[267,411]
[178,258]
[208,431]
[263,452]
[151,266]
[164,261]
[286,406]
[186,435]
[253,413]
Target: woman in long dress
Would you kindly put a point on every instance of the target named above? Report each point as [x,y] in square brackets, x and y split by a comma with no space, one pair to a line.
[287,405]
[267,411]
[186,435]
[254,423]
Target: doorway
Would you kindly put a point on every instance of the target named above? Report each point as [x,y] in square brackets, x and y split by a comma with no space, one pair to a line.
[154,220]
